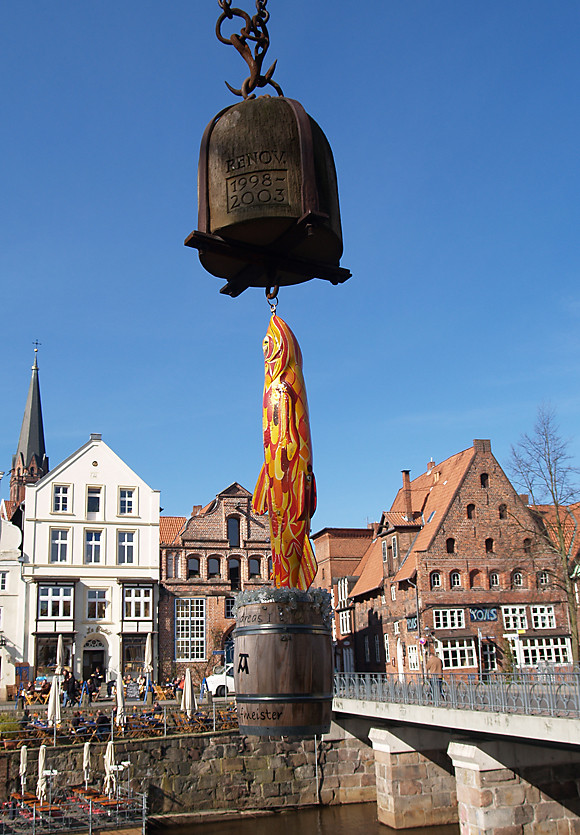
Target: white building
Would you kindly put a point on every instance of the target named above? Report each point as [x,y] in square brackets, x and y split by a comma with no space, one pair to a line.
[11,623]
[90,565]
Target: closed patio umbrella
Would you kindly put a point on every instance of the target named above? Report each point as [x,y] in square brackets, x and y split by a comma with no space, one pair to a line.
[120,697]
[59,657]
[53,712]
[22,769]
[148,665]
[41,786]
[110,783]
[87,762]
[188,704]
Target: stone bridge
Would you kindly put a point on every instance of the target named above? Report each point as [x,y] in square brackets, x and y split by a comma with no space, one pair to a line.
[502,757]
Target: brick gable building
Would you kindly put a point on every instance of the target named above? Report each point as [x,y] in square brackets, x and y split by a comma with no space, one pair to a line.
[460,566]
[221,549]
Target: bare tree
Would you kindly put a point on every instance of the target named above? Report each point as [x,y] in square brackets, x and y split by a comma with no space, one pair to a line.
[541,467]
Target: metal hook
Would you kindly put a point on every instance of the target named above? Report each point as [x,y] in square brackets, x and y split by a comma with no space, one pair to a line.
[272,296]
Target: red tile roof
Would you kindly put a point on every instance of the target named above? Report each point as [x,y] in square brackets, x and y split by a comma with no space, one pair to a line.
[370,570]
[431,495]
[170,527]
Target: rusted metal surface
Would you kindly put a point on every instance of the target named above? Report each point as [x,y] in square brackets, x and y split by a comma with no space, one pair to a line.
[255,31]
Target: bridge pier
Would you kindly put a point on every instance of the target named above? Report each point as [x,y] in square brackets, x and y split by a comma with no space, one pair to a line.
[506,788]
[414,777]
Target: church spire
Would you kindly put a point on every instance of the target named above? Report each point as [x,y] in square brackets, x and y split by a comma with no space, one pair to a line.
[30,462]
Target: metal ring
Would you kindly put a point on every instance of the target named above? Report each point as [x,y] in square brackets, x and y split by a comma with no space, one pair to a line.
[272,292]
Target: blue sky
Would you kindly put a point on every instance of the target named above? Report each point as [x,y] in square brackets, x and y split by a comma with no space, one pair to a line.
[455,131]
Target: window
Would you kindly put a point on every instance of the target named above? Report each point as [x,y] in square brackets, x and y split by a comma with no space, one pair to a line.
[255,568]
[344,622]
[342,592]
[494,580]
[193,568]
[471,511]
[58,545]
[545,651]
[527,546]
[170,566]
[137,603]
[367,649]
[126,503]
[396,627]
[93,499]
[455,580]
[448,618]
[55,602]
[229,607]
[543,579]
[92,546]
[387,649]
[475,579]
[394,547]
[457,653]
[484,480]
[234,574]
[489,545]
[96,604]
[450,545]
[514,617]
[133,654]
[377,649]
[413,657]
[60,498]
[488,657]
[435,580]
[502,511]
[3,580]
[543,617]
[213,567]
[385,550]
[125,547]
[234,532]
[393,592]
[517,580]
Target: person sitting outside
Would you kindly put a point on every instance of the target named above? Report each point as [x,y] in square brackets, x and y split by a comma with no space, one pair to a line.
[103,725]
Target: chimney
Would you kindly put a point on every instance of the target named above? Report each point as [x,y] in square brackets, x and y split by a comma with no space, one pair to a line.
[430,465]
[407,495]
[195,510]
[482,445]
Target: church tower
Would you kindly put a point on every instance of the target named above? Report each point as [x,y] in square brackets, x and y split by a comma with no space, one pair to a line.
[30,462]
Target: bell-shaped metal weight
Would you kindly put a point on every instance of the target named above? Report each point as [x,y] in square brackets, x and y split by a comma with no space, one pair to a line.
[268,210]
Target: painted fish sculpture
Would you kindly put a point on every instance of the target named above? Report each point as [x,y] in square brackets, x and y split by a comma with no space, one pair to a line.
[286,488]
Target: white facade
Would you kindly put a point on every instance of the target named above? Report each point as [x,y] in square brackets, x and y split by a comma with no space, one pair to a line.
[11,622]
[90,565]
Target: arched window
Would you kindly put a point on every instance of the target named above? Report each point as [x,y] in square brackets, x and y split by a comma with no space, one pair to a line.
[494,580]
[484,480]
[435,580]
[489,545]
[517,580]
[234,574]
[234,532]
[471,511]
[543,579]
[455,580]
[527,546]
[213,567]
[270,569]
[475,579]
[450,545]
[192,568]
[502,510]
[255,568]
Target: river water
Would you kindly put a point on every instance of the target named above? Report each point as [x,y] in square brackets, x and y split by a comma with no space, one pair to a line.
[350,819]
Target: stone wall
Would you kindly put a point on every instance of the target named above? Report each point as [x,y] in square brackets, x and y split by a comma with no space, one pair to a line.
[218,771]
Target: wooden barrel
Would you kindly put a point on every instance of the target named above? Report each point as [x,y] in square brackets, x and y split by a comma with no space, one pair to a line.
[283,668]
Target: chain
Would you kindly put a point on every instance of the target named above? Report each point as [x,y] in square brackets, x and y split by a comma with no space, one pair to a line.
[255,31]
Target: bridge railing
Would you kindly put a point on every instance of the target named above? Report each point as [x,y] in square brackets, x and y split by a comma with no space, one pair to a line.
[534,693]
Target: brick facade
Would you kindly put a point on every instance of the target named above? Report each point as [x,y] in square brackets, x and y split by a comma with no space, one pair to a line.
[462,544]
[221,549]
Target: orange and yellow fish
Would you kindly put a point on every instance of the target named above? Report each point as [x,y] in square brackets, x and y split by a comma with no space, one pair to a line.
[286,488]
